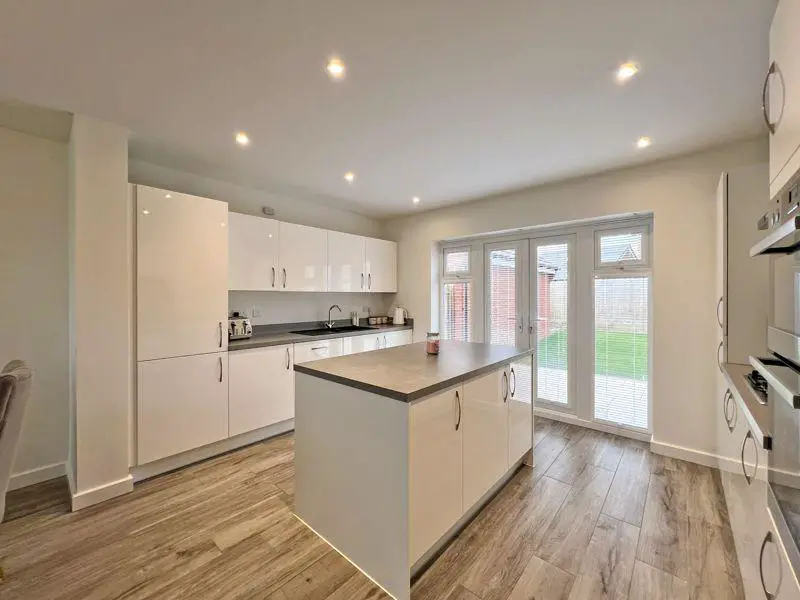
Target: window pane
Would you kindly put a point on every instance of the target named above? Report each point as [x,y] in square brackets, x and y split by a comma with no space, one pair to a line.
[456,261]
[621,247]
[552,339]
[456,311]
[621,350]
[502,296]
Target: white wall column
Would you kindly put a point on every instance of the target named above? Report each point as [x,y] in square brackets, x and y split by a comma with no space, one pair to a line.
[101,312]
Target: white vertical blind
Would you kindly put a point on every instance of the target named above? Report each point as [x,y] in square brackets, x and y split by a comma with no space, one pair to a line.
[456,321]
[552,318]
[502,296]
[621,313]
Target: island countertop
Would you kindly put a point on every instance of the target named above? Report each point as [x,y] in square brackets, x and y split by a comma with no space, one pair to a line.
[407,373]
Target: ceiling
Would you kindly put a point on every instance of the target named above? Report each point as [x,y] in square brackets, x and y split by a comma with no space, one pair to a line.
[447,100]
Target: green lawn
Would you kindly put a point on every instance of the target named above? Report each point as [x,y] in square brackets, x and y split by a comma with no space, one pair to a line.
[614,353]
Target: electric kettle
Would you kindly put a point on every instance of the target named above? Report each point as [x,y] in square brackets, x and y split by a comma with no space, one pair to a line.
[400,315]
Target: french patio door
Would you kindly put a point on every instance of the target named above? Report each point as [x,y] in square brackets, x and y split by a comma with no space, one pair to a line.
[552,309]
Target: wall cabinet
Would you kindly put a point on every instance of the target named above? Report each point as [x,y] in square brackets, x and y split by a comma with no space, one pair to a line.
[485,422]
[346,267]
[303,255]
[260,388]
[783,102]
[252,253]
[520,410]
[181,274]
[381,265]
[435,469]
[182,404]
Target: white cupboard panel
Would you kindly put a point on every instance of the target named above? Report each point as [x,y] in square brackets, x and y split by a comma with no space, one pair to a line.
[784,94]
[360,343]
[346,262]
[252,252]
[520,410]
[182,404]
[435,437]
[485,422]
[182,274]
[381,265]
[260,388]
[317,350]
[398,338]
[303,258]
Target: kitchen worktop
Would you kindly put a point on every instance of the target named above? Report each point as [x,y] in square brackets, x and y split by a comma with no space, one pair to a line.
[407,373]
[277,335]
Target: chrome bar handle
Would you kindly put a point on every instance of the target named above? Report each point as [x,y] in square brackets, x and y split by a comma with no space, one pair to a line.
[458,406]
[369,280]
[748,478]
[362,281]
[514,382]
[220,334]
[719,317]
[767,538]
[288,359]
[220,368]
[726,403]
[273,276]
[773,68]
[719,358]
[505,385]
[284,278]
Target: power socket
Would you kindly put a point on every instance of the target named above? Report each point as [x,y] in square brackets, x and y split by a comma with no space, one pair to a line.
[256,312]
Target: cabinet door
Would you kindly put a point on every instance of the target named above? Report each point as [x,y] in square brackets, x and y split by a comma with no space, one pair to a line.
[360,343]
[485,425]
[398,338]
[381,265]
[182,404]
[303,258]
[520,409]
[784,94]
[260,388]
[318,350]
[434,469]
[722,263]
[252,253]
[181,274]
[776,570]
[346,262]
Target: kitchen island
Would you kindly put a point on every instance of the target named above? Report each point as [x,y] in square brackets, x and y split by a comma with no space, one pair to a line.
[395,450]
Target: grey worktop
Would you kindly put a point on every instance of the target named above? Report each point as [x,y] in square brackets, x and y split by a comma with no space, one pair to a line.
[277,335]
[407,373]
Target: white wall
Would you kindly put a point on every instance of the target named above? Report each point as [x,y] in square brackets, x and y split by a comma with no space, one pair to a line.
[34,288]
[681,195]
[250,201]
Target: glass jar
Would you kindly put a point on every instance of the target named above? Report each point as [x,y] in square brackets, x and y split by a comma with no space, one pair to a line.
[432,343]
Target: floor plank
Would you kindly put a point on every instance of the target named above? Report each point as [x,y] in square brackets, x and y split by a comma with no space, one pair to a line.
[713,568]
[649,583]
[542,581]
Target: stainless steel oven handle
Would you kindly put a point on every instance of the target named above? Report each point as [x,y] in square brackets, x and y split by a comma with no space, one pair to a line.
[767,538]
[748,478]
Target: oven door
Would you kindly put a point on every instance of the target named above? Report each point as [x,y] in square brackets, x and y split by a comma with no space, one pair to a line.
[783,336]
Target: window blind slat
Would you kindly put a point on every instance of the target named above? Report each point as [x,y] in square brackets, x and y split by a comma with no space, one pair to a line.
[552,335]
[502,296]
[621,350]
[456,321]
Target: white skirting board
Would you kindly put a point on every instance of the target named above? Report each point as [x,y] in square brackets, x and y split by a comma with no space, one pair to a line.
[38,475]
[695,456]
[573,420]
[171,463]
[101,493]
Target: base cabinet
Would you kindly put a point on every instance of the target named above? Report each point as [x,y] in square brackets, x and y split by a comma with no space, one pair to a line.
[520,410]
[435,470]
[309,351]
[182,404]
[485,417]
[261,388]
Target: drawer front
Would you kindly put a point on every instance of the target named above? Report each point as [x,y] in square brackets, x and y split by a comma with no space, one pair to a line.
[310,351]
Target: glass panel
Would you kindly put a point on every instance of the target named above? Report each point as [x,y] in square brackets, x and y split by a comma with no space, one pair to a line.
[552,336]
[621,347]
[502,296]
[456,261]
[456,311]
[621,247]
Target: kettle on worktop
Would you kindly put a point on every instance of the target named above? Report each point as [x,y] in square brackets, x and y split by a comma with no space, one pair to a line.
[400,315]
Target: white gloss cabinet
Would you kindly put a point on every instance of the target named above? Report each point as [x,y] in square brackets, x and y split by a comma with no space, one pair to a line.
[182,404]
[435,480]
[303,255]
[346,262]
[485,418]
[181,274]
[360,343]
[520,410]
[397,338]
[381,265]
[783,84]
[252,252]
[260,388]
[317,350]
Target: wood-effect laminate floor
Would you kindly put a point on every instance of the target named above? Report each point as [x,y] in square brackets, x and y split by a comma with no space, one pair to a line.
[598,517]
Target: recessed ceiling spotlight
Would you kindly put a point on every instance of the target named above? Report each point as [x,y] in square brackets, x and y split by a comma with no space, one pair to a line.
[167,195]
[145,212]
[242,138]
[349,177]
[415,199]
[643,142]
[335,69]
[626,72]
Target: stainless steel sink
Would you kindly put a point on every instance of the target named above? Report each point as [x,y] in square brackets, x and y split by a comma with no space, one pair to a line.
[326,331]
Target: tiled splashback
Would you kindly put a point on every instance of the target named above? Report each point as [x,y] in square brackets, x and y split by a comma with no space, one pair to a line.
[294,307]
